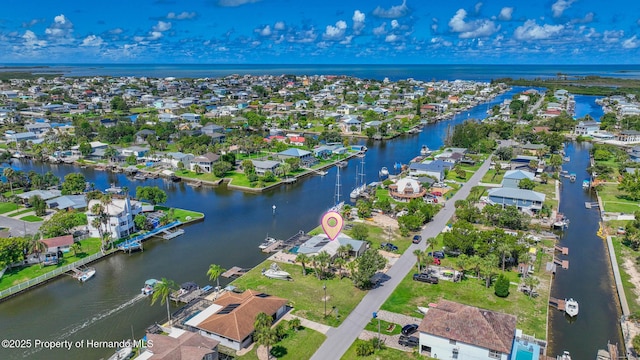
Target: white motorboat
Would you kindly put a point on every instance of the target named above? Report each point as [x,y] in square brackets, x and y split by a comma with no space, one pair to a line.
[571,307]
[586,184]
[268,241]
[149,286]
[384,172]
[85,274]
[425,150]
[355,193]
[122,354]
[565,356]
[274,272]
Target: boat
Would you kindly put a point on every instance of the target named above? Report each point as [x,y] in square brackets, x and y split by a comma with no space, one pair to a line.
[274,272]
[85,274]
[122,354]
[342,164]
[572,177]
[140,176]
[384,172]
[565,356]
[268,241]
[571,307]
[361,185]
[148,287]
[586,184]
[425,150]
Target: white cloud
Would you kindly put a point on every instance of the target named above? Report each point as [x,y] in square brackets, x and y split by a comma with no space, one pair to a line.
[335,32]
[279,25]
[530,30]
[60,19]
[347,40]
[31,23]
[506,13]
[471,29]
[395,11]
[32,41]
[612,36]
[154,35]
[478,7]
[585,20]
[266,31]
[182,16]
[631,43]
[391,38]
[560,6]
[162,26]
[92,40]
[380,30]
[234,3]
[358,21]
[394,24]
[61,27]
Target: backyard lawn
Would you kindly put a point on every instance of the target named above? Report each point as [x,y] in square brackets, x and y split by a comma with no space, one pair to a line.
[305,293]
[614,200]
[297,345]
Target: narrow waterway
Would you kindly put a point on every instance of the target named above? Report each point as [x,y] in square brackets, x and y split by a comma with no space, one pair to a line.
[107,308]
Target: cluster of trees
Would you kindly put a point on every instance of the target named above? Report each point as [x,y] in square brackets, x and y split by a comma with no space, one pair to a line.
[27,181]
[62,222]
[632,233]
[495,215]
[152,194]
[12,250]
[418,214]
[73,184]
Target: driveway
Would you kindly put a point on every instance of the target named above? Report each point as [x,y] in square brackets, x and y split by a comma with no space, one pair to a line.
[340,339]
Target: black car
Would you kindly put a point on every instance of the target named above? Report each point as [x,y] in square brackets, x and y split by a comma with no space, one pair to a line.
[417,239]
[409,329]
[388,247]
[425,278]
[437,254]
[409,341]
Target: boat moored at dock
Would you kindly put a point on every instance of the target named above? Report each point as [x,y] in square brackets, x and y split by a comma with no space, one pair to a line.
[571,307]
[84,274]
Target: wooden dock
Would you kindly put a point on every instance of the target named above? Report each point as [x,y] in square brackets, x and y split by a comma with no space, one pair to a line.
[563,263]
[273,247]
[234,272]
[563,250]
[559,304]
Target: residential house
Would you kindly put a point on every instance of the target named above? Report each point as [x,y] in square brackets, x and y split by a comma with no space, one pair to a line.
[174,158]
[319,243]
[306,157]
[262,166]
[523,199]
[60,243]
[68,202]
[205,162]
[512,178]
[451,330]
[191,117]
[406,189]
[628,136]
[435,169]
[180,345]
[345,109]
[137,151]
[634,153]
[587,128]
[38,128]
[143,136]
[17,137]
[231,317]
[43,194]
[350,124]
[120,214]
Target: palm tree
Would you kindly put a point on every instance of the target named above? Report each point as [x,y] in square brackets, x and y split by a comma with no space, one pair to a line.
[294,324]
[76,247]
[263,333]
[214,273]
[324,259]
[37,247]
[339,263]
[9,173]
[418,253]
[462,262]
[352,266]
[162,290]
[505,251]
[343,251]
[531,282]
[303,259]
[105,200]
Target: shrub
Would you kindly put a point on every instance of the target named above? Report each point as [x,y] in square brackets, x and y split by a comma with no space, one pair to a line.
[502,286]
[636,343]
[364,348]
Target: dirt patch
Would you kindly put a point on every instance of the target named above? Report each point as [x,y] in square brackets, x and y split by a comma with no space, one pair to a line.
[385,221]
[634,277]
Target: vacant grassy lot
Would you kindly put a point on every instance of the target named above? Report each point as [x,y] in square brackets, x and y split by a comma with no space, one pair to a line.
[8,206]
[615,200]
[305,292]
[491,177]
[626,254]
[297,345]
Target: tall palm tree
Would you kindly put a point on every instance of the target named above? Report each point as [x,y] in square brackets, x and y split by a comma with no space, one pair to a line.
[418,253]
[462,262]
[162,290]
[303,259]
[531,282]
[105,200]
[324,259]
[352,266]
[9,173]
[37,247]
[263,333]
[339,263]
[505,251]
[214,273]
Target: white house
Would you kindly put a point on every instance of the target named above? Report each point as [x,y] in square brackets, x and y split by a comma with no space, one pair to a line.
[587,127]
[121,213]
[451,330]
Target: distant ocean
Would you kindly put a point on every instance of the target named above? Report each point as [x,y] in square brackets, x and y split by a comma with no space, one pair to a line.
[378,72]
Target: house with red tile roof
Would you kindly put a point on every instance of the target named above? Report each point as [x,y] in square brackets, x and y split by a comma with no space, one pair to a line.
[450,330]
[231,317]
[60,243]
[180,345]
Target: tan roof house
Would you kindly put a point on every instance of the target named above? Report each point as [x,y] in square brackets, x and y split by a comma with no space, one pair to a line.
[185,346]
[231,317]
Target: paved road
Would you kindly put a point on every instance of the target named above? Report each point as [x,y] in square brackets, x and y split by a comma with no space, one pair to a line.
[340,339]
[17,227]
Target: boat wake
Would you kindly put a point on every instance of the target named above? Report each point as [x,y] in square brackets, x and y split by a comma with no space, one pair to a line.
[72,329]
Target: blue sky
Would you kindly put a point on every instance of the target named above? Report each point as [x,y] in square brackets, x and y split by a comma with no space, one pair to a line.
[320,32]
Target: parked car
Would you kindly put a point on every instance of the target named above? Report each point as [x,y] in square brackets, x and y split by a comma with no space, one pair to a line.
[417,239]
[437,254]
[409,329]
[388,247]
[425,278]
[409,341]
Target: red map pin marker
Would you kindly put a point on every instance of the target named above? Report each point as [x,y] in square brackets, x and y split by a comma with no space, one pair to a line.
[332,223]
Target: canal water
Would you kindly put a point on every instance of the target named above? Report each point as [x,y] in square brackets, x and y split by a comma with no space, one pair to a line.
[108,308]
[589,279]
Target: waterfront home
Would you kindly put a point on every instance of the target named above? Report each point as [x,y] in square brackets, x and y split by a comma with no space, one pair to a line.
[262,166]
[512,178]
[523,199]
[38,128]
[349,124]
[59,243]
[120,213]
[231,317]
[68,202]
[450,330]
[406,189]
[17,137]
[205,162]
[179,345]
[306,157]
[435,169]
[320,243]
[173,158]
[586,128]
[137,151]
[628,136]
[43,194]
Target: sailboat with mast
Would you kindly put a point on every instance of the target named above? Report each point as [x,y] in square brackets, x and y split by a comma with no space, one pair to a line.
[361,185]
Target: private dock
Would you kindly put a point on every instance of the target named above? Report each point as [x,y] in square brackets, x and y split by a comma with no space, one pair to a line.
[559,304]
[563,250]
[273,247]
[591,205]
[563,263]
[235,271]
[168,235]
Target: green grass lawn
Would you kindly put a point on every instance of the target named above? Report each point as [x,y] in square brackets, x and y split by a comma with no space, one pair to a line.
[624,252]
[379,235]
[15,192]
[297,345]
[17,213]
[492,178]
[549,189]
[8,206]
[386,328]
[614,200]
[31,218]
[193,175]
[181,214]
[305,293]
[15,276]
[386,354]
